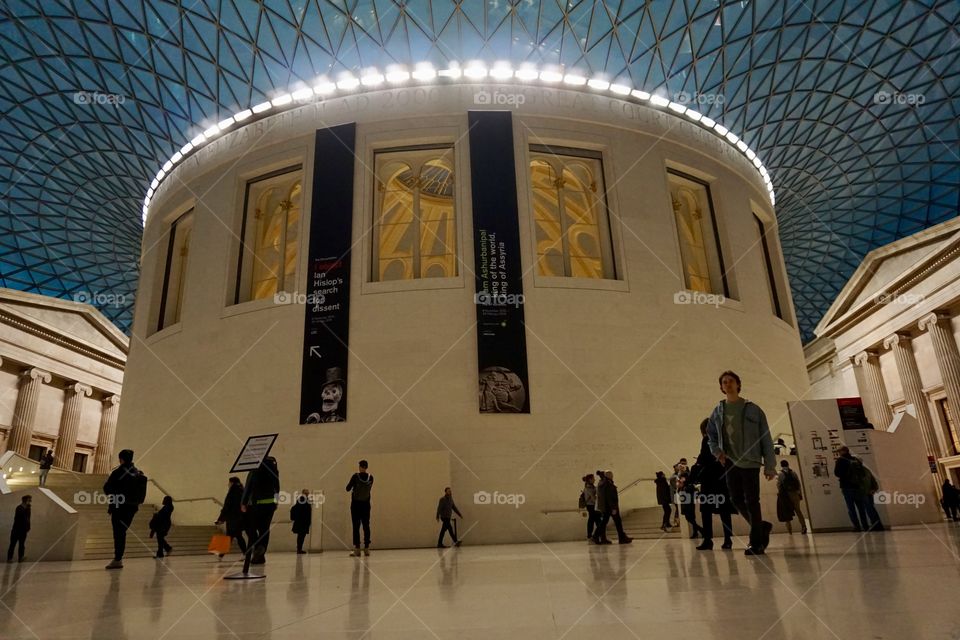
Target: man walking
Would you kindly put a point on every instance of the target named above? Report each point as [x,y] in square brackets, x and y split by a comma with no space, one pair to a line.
[360,485]
[126,489]
[739,438]
[21,525]
[46,461]
[258,504]
[611,508]
[445,510]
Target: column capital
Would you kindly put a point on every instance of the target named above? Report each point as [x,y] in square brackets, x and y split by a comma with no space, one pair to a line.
[928,321]
[80,389]
[863,357]
[34,373]
[895,339]
[111,400]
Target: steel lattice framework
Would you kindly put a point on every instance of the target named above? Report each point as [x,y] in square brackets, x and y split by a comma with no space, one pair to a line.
[851,104]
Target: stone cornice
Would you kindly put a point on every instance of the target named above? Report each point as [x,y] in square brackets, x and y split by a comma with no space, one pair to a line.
[35,328]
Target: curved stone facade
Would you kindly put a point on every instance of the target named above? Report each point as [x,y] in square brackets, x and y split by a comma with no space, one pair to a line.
[622,367]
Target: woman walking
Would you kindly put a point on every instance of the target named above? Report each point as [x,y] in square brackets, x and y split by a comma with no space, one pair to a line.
[589,498]
[231,516]
[663,499]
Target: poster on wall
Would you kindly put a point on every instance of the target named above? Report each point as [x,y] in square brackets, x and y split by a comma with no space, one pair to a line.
[323,382]
[501,335]
[255,449]
[852,415]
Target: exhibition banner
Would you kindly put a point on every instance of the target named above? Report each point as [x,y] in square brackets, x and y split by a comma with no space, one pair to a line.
[501,333]
[254,451]
[323,382]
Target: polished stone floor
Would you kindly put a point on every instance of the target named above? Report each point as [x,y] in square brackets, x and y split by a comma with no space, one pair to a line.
[900,584]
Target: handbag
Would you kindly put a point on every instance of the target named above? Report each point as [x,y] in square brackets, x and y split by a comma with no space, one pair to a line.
[219,544]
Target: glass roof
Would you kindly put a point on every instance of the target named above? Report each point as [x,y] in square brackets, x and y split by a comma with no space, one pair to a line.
[851,105]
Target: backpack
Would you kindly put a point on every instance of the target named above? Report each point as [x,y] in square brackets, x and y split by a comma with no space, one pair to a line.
[135,489]
[791,482]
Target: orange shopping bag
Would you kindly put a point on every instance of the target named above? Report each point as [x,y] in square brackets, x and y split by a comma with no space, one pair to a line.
[219,544]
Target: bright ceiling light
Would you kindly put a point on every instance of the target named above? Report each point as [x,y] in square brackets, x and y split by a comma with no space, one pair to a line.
[621,89]
[260,108]
[640,95]
[223,124]
[551,76]
[212,131]
[475,71]
[526,73]
[347,83]
[501,72]
[660,101]
[397,76]
[301,95]
[372,79]
[453,72]
[676,106]
[574,79]
[599,85]
[242,115]
[424,72]
[282,100]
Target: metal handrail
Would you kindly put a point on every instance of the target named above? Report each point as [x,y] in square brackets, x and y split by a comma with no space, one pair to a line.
[620,491]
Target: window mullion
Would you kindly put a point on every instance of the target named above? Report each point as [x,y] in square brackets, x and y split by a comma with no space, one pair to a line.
[564,227]
[416,230]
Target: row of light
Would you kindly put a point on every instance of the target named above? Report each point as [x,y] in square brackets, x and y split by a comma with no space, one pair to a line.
[424,73]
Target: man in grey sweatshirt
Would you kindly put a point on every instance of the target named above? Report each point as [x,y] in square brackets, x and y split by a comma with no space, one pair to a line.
[445,510]
[739,438]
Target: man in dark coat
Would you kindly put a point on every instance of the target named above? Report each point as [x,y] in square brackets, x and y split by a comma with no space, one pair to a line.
[21,525]
[611,506]
[951,499]
[259,503]
[301,514]
[231,516]
[445,510]
[124,489]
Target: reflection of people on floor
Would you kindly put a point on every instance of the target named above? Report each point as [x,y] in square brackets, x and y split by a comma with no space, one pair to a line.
[359,608]
[109,623]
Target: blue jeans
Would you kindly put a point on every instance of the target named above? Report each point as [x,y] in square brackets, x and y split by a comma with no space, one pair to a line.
[854,508]
[868,510]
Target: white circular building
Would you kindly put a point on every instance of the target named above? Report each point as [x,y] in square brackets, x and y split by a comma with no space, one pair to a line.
[496,287]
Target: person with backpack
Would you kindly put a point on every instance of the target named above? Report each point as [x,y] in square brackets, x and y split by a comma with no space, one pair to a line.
[231,517]
[360,485]
[258,504]
[848,469]
[301,514]
[21,526]
[740,439]
[126,489]
[714,495]
[160,525]
[789,490]
[588,502]
[865,485]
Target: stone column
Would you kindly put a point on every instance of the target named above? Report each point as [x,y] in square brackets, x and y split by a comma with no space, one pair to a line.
[103,459]
[70,424]
[872,389]
[948,361]
[913,389]
[25,411]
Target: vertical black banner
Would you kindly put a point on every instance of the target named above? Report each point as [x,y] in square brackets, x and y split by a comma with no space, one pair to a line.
[323,383]
[501,336]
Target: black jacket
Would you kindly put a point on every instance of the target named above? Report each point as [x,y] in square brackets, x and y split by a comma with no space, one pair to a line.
[447,507]
[263,484]
[230,514]
[301,514]
[121,482]
[21,519]
[611,501]
[841,469]
[161,520]
[663,490]
[360,484]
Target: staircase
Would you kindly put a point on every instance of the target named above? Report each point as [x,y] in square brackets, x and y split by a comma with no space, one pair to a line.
[84,492]
[644,524]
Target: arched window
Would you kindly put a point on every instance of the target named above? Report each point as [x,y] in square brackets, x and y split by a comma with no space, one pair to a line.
[415,233]
[700,252]
[271,235]
[573,236]
[174,271]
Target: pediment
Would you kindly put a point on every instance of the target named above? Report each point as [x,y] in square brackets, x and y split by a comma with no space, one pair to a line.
[78,323]
[889,264]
